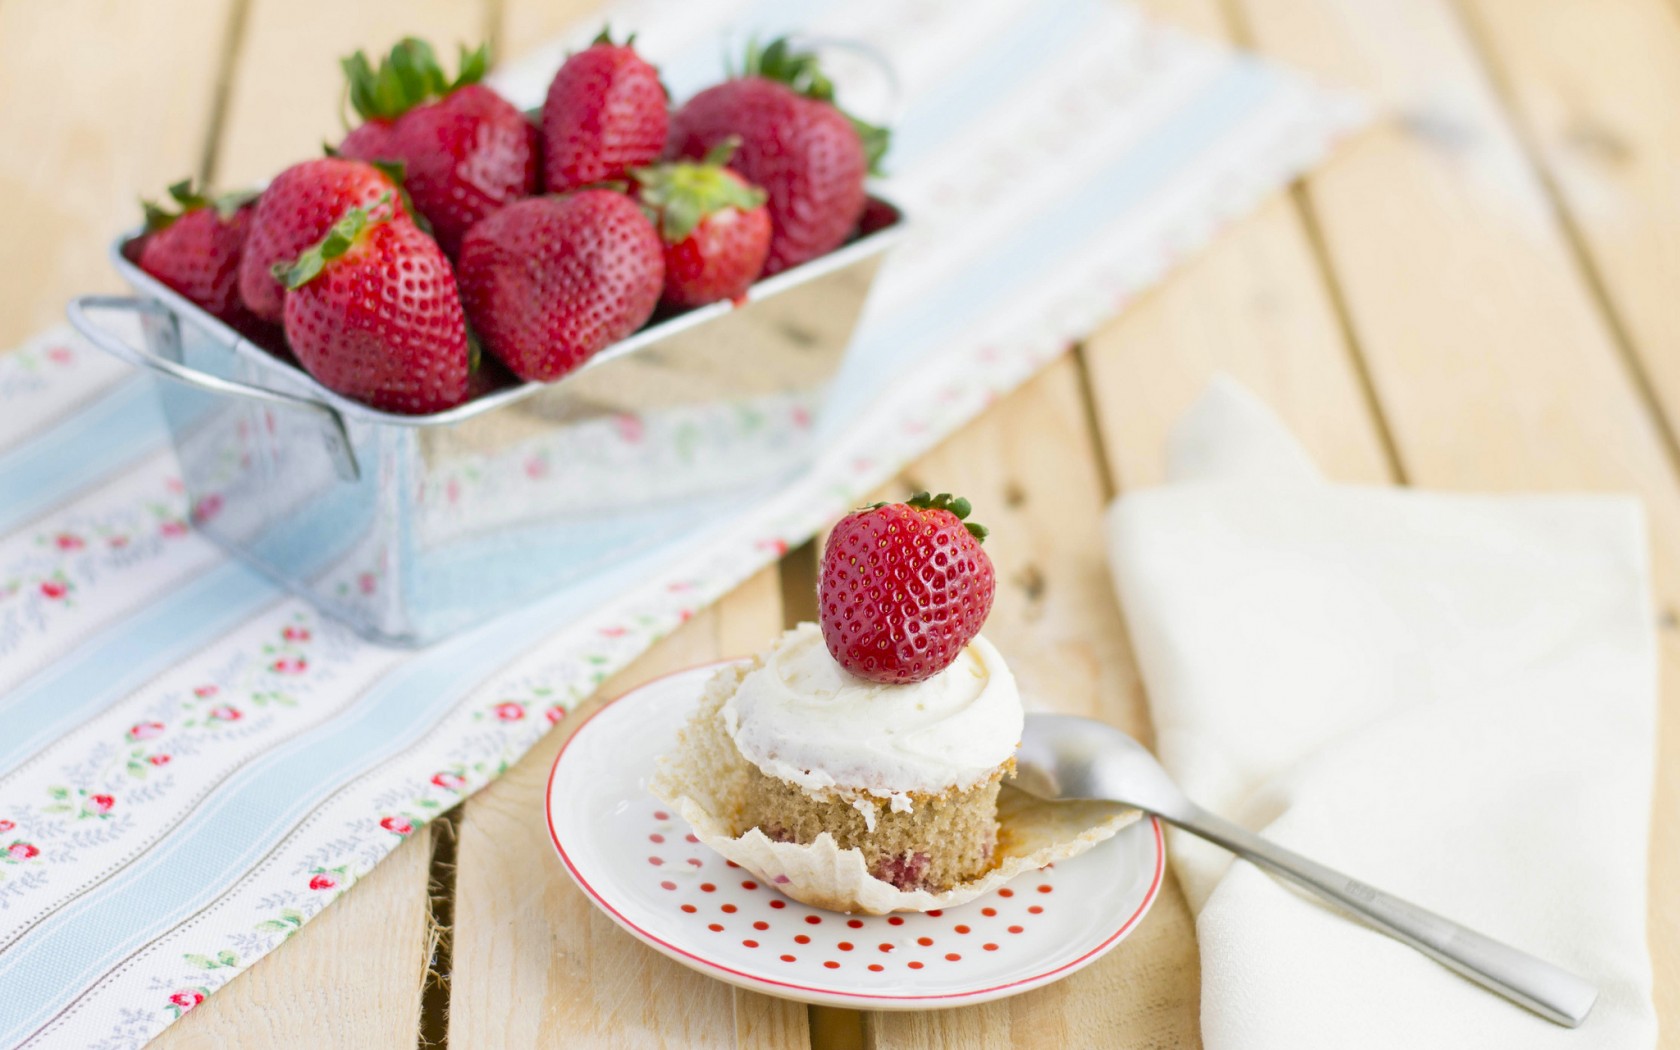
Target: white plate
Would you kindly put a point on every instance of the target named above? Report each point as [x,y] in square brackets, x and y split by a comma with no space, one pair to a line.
[639,863]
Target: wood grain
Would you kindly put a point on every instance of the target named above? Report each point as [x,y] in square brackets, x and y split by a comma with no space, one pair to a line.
[286,97]
[1491,359]
[1593,88]
[93,120]
[1030,468]
[351,978]
[535,964]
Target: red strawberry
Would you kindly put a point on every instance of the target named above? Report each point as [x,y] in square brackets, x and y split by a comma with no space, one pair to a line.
[715,227]
[904,587]
[550,281]
[296,211]
[605,114]
[810,157]
[196,251]
[372,312]
[465,151]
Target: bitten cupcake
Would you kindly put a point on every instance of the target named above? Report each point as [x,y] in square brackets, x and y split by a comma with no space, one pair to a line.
[860,764]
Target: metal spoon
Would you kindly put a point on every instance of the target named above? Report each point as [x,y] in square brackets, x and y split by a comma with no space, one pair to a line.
[1062,757]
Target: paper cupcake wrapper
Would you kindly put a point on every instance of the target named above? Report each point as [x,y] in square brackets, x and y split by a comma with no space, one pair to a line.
[704,773]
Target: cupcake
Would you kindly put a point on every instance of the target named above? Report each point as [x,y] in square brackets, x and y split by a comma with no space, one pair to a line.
[860,764]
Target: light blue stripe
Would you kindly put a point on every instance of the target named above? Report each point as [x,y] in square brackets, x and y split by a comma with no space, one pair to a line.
[121,426]
[121,658]
[254,808]
[1042,35]
[250,813]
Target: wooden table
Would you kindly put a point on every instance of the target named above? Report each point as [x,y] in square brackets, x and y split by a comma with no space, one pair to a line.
[1483,293]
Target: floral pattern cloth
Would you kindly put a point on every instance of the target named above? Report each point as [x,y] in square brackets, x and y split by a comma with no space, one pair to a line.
[194,762]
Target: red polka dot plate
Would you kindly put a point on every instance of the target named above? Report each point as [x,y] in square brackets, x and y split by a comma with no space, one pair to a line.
[640,865]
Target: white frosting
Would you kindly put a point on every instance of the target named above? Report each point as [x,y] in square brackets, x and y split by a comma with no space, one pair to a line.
[804,719]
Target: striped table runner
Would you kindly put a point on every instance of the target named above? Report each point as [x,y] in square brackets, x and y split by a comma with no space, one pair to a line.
[193,763]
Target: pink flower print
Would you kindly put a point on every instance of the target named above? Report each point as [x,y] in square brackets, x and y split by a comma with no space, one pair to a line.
[159,760]
[290,665]
[173,527]
[186,1000]
[630,428]
[205,691]
[323,881]
[54,589]
[777,547]
[100,804]
[449,781]
[207,508]
[117,543]
[509,711]
[397,825]
[536,468]
[22,851]
[295,634]
[801,418]
[68,541]
[61,355]
[367,583]
[144,730]
[452,491]
[555,714]
[5,826]
[174,485]
[226,713]
[614,632]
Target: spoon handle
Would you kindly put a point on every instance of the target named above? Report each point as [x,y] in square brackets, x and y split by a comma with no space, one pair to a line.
[1549,991]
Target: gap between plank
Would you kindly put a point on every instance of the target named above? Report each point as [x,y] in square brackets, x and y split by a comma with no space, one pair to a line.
[1242,34]
[233,45]
[1106,481]
[440,922]
[1597,286]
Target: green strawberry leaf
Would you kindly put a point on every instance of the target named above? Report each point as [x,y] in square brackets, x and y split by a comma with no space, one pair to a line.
[409,76]
[802,71]
[681,193]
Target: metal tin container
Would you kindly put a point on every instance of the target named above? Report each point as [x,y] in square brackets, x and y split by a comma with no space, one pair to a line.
[412,527]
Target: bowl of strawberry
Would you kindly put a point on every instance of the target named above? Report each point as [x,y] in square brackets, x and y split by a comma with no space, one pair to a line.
[474,354]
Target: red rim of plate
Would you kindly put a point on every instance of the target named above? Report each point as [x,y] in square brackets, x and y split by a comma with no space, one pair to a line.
[668,947]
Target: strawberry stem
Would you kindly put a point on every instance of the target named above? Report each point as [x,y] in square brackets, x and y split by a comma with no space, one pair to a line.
[408,77]
[680,194]
[335,245]
[159,217]
[802,71]
[955,505]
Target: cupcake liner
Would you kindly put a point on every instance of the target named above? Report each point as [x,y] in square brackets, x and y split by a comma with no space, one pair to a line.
[703,779]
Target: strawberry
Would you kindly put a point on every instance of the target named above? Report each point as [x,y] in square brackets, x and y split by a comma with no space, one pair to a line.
[904,587]
[464,150]
[372,312]
[196,250]
[605,113]
[295,212]
[807,155]
[715,227]
[549,281]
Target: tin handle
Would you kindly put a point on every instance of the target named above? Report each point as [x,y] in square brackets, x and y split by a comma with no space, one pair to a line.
[335,437]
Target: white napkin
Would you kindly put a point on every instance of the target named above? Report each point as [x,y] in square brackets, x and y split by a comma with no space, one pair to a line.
[1451,697]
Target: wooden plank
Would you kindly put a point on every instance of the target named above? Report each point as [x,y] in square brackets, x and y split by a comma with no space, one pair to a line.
[331,985]
[1593,87]
[1493,364]
[1029,466]
[535,964]
[286,98]
[93,121]
[374,941]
